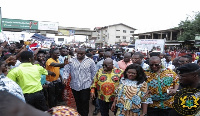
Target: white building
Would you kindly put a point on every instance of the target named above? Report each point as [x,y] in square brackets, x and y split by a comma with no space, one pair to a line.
[114,34]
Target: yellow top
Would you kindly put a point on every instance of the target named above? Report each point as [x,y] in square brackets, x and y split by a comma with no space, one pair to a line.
[56,70]
[106,83]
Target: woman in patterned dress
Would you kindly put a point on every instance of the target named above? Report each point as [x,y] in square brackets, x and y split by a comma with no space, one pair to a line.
[131,95]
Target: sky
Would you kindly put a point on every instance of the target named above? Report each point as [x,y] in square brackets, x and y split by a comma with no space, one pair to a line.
[144,15]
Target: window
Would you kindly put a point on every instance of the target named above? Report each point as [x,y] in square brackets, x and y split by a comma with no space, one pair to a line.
[117,36]
[124,37]
[131,31]
[131,38]
[124,31]
[60,39]
[117,30]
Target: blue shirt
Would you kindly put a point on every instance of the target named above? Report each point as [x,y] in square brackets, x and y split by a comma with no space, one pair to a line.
[82,73]
[95,58]
[61,60]
[99,64]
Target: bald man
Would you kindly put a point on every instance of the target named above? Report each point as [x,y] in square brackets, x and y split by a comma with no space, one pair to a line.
[162,84]
[125,62]
[82,70]
[107,54]
[107,78]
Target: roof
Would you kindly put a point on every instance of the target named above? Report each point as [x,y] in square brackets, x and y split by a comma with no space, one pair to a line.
[115,25]
[159,31]
[122,24]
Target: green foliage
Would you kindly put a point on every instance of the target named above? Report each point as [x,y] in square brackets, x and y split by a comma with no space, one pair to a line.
[189,28]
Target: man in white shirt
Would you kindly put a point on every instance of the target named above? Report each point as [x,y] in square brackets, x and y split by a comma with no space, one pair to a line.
[138,59]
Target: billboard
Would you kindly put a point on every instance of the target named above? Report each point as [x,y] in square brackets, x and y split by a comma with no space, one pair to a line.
[53,26]
[63,32]
[156,45]
[19,24]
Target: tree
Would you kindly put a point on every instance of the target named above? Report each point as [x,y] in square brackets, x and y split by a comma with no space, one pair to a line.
[189,28]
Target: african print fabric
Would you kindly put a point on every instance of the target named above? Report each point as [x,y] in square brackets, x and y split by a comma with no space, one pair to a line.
[106,83]
[130,96]
[158,85]
[63,111]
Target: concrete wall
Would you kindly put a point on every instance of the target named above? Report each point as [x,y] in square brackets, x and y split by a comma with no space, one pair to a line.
[117,30]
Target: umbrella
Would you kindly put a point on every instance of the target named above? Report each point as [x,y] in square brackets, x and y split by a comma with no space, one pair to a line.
[124,44]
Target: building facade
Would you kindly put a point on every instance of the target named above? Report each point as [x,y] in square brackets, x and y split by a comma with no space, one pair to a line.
[114,34]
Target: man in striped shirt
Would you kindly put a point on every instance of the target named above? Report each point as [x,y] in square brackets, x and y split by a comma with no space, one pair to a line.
[82,70]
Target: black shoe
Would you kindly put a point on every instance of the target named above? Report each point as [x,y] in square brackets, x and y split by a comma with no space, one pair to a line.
[96,111]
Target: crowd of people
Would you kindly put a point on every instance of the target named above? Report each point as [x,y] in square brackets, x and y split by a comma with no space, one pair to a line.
[129,83]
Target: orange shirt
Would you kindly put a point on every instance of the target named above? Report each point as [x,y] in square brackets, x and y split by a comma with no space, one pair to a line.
[56,70]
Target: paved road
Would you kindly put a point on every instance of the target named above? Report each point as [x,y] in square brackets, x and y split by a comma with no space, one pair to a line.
[92,109]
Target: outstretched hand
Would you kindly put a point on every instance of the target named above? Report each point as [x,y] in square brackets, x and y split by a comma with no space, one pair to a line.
[66,61]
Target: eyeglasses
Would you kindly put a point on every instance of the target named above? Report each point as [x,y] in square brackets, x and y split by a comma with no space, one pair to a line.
[154,64]
[106,65]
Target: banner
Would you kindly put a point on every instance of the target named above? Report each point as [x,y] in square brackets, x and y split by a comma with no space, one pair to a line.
[19,24]
[63,32]
[0,20]
[154,45]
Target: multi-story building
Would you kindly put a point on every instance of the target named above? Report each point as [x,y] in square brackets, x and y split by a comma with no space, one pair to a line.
[114,34]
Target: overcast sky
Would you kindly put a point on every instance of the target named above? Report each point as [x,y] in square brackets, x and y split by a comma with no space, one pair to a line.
[144,15]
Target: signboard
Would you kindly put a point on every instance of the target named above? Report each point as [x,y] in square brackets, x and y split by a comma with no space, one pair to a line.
[50,39]
[19,24]
[0,20]
[197,40]
[53,26]
[156,45]
[63,32]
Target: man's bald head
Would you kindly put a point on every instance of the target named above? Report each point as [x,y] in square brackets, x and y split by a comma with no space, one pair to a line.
[127,57]
[108,60]
[108,54]
[108,64]
[154,58]
[127,54]
[155,63]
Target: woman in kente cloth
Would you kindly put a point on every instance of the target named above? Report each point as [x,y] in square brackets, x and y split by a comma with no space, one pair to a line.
[131,95]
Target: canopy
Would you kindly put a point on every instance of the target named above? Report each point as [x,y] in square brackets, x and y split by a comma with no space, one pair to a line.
[123,44]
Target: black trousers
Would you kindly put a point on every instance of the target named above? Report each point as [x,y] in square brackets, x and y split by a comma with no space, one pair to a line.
[104,107]
[158,112]
[55,90]
[37,100]
[82,98]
